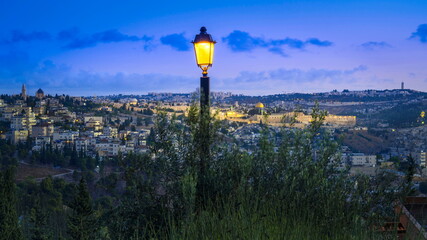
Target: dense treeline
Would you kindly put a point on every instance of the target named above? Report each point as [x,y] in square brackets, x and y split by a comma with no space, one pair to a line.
[291,187]
[42,208]
[322,97]
[67,157]
[9,227]
[7,154]
[76,106]
[407,115]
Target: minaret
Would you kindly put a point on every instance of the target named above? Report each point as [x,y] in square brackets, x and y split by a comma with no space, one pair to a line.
[24,92]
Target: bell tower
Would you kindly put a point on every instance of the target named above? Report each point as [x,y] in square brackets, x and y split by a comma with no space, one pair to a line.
[24,92]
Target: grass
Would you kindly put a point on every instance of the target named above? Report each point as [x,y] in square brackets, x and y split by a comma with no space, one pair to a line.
[266,221]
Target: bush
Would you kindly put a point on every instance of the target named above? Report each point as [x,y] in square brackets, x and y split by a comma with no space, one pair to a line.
[298,191]
[423,187]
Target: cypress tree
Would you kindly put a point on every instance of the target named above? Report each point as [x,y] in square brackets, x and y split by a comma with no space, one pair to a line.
[82,223]
[74,157]
[409,177]
[42,158]
[9,227]
[151,137]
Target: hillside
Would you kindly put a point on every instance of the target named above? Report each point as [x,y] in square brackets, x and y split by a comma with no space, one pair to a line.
[364,142]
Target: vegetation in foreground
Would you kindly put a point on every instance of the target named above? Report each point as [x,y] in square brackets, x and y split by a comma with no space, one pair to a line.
[291,187]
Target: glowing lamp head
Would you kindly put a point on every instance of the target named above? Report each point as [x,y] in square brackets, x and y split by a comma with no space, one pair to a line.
[204,50]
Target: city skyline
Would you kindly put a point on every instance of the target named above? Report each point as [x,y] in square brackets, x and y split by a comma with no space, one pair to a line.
[263,48]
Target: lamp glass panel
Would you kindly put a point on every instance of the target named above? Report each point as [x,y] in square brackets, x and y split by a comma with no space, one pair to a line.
[204,53]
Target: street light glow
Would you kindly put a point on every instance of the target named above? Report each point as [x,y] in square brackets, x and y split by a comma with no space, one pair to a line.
[204,50]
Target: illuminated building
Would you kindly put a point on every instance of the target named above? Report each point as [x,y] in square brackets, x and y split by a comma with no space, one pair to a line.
[260,107]
[43,129]
[302,120]
[423,159]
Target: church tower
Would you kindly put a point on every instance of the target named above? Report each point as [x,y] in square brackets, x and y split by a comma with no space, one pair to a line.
[24,92]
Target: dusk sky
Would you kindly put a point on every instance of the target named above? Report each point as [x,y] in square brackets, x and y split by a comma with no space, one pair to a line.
[263,47]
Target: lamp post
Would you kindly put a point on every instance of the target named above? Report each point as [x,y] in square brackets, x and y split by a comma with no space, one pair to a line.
[204,49]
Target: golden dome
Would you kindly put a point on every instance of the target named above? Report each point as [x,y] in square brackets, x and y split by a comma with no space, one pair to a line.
[259,105]
[133,101]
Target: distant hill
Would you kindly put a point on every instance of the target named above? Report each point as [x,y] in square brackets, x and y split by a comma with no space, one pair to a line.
[345,96]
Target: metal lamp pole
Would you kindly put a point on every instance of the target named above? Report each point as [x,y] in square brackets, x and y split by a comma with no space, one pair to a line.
[204,93]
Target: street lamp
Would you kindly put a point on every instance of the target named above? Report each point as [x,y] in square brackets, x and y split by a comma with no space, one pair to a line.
[204,50]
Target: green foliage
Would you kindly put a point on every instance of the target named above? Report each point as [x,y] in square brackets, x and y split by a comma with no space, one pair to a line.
[7,152]
[39,224]
[403,115]
[9,228]
[298,192]
[265,221]
[147,111]
[44,201]
[195,185]
[68,156]
[410,169]
[76,106]
[299,185]
[82,222]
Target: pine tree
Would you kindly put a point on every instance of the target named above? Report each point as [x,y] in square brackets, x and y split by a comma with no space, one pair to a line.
[82,223]
[38,219]
[9,227]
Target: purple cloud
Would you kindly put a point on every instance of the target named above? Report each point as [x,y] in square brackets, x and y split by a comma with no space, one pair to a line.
[108,36]
[421,33]
[319,43]
[374,45]
[240,41]
[279,51]
[177,41]
[68,34]
[299,75]
[19,36]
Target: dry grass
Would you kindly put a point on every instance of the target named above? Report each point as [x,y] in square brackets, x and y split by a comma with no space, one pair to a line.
[32,171]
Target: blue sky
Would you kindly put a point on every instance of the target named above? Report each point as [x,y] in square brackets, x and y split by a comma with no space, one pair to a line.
[264,47]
